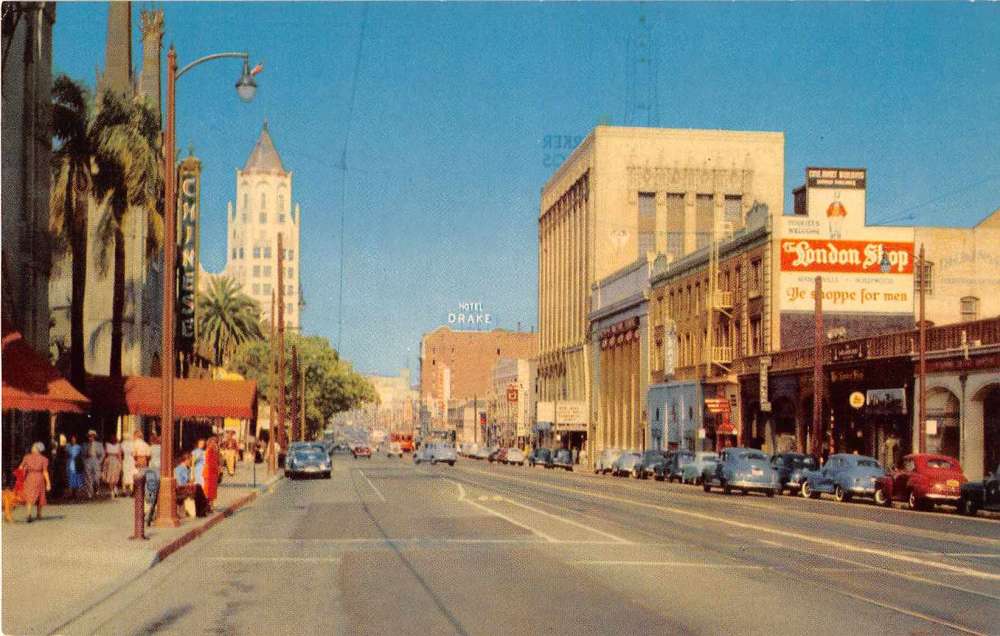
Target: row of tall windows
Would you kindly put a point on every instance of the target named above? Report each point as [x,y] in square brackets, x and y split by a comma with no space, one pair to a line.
[264,252]
[732,216]
[263,202]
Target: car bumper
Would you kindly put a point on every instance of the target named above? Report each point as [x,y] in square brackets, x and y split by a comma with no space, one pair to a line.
[936,496]
[866,491]
[752,485]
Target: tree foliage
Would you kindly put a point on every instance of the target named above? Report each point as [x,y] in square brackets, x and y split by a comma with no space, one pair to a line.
[227,318]
[332,385]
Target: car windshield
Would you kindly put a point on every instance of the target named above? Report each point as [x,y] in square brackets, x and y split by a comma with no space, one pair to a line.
[800,461]
[941,464]
[753,455]
[309,455]
[868,463]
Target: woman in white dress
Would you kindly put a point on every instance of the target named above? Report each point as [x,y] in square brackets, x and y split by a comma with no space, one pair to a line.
[112,464]
[128,467]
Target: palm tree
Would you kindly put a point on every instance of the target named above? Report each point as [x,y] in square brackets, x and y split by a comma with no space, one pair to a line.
[128,180]
[72,185]
[227,318]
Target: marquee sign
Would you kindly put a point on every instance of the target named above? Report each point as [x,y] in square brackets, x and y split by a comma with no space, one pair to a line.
[189,195]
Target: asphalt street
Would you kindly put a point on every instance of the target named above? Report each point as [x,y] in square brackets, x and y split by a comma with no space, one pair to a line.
[389,547]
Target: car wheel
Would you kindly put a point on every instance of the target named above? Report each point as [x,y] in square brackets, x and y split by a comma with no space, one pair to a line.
[882,499]
[707,487]
[917,503]
[967,506]
[840,494]
[451,463]
[772,492]
[808,492]
[328,475]
[726,489]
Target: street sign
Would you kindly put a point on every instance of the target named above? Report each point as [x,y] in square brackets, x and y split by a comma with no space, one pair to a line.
[717,405]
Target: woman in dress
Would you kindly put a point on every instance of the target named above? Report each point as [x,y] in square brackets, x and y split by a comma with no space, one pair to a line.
[36,479]
[211,470]
[128,466]
[74,466]
[112,473]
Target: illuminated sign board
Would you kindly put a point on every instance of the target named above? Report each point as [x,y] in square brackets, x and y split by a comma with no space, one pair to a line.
[470,315]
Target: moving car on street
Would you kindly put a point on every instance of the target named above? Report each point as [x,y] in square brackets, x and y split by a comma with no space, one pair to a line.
[539,457]
[361,451]
[514,456]
[606,459]
[980,495]
[791,469]
[742,469]
[435,452]
[922,481]
[625,463]
[648,463]
[394,450]
[673,468]
[844,476]
[562,458]
[693,470]
[307,461]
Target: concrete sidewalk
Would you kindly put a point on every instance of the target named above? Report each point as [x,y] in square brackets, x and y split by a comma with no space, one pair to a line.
[80,553]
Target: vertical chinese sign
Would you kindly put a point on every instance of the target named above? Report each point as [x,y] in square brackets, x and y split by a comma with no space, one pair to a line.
[189,194]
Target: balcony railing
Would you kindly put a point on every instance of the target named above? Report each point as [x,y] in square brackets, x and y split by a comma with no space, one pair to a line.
[723,299]
[722,355]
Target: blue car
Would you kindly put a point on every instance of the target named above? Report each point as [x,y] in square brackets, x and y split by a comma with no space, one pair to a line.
[742,469]
[844,476]
[792,468]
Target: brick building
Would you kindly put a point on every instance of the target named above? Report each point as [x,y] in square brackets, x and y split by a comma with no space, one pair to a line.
[458,365]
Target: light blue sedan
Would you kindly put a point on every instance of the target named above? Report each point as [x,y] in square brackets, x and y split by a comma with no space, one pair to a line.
[843,476]
[692,471]
[742,469]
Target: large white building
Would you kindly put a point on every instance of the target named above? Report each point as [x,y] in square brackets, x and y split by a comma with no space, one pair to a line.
[263,209]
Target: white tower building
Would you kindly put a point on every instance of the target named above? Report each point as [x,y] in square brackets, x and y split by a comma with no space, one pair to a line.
[263,209]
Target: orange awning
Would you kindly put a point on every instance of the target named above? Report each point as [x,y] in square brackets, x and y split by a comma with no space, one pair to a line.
[140,395]
[30,383]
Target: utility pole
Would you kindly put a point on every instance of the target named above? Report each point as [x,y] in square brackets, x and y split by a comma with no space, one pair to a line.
[281,343]
[295,406]
[272,454]
[922,373]
[817,423]
[302,401]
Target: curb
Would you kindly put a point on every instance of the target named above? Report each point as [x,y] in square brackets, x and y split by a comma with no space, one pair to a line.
[194,533]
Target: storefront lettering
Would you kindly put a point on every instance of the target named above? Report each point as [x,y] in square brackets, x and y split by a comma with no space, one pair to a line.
[846,256]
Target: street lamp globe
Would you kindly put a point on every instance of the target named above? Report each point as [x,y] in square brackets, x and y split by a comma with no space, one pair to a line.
[246,87]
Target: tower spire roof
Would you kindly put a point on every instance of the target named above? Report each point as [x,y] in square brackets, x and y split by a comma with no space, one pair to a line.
[264,156]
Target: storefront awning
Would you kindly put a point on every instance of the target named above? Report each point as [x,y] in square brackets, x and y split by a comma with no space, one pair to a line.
[30,383]
[140,395]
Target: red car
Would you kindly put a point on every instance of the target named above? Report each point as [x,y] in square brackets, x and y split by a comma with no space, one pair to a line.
[362,451]
[923,481]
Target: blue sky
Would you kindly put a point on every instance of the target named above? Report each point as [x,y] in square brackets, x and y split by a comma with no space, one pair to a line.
[453,102]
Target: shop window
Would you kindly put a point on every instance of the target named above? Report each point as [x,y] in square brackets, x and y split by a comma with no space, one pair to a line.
[970,308]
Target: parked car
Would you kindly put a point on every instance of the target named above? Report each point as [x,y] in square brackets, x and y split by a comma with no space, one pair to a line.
[435,452]
[539,457]
[562,458]
[606,459]
[361,451]
[922,481]
[469,449]
[482,453]
[980,495]
[307,461]
[791,469]
[498,455]
[625,463]
[743,469]
[673,468]
[648,462]
[844,476]
[394,450]
[492,452]
[693,470]
[514,456]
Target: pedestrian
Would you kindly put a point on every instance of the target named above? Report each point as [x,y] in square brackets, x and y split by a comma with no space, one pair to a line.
[128,465]
[230,452]
[57,463]
[74,467]
[154,452]
[93,459]
[36,479]
[152,493]
[112,473]
[212,469]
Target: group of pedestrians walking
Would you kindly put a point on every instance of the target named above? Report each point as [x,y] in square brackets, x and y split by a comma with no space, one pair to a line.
[95,465]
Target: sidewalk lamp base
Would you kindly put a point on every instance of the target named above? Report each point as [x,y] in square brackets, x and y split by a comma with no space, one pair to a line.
[166,504]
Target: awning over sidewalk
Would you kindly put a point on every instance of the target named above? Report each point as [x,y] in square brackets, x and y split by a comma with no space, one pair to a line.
[30,383]
[140,395]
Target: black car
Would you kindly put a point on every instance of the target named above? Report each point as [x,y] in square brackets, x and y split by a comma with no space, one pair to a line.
[791,469]
[562,458]
[673,467]
[981,495]
[648,462]
[540,457]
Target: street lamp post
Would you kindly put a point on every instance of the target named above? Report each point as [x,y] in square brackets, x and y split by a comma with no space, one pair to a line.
[246,87]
